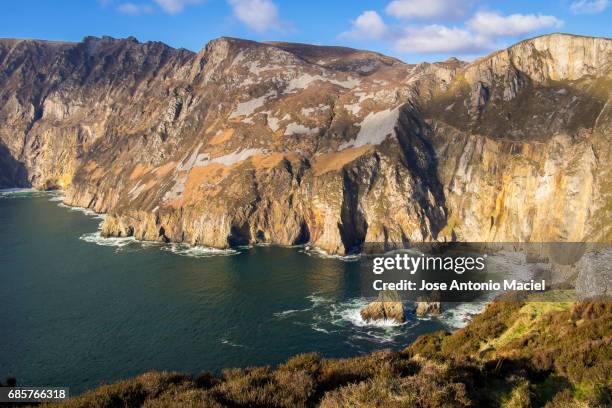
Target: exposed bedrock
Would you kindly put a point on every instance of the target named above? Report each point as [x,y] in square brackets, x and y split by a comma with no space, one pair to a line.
[388,306]
[249,142]
[427,308]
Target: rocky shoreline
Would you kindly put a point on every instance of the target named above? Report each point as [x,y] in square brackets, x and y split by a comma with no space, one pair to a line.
[246,143]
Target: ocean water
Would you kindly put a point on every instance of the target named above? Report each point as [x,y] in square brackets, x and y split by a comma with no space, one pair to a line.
[79,310]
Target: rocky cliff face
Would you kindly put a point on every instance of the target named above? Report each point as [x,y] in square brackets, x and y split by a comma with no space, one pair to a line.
[250,142]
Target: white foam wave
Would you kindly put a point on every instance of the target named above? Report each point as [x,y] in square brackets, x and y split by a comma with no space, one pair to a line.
[197,251]
[331,316]
[21,192]
[229,343]
[286,313]
[87,211]
[6,191]
[318,300]
[460,315]
[30,192]
[379,336]
[314,251]
[316,327]
[350,311]
[354,316]
[98,239]
[121,243]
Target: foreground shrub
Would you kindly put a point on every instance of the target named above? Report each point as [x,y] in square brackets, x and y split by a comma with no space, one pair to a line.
[127,393]
[262,387]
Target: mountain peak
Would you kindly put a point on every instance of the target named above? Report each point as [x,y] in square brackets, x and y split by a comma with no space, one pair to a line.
[555,56]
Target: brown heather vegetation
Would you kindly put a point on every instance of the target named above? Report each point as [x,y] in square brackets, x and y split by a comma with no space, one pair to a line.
[514,354]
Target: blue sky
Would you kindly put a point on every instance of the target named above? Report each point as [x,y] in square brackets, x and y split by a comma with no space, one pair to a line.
[412,30]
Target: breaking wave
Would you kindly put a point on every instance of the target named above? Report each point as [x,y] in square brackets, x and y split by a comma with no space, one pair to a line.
[314,251]
[87,211]
[131,243]
[351,312]
[326,315]
[98,239]
[229,343]
[22,192]
[288,313]
[197,251]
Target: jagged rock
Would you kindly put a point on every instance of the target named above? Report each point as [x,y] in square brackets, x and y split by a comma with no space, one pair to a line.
[427,308]
[249,142]
[385,307]
[384,311]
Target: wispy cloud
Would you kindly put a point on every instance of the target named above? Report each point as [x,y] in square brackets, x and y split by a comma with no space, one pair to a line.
[175,6]
[369,25]
[134,9]
[435,39]
[259,15]
[589,6]
[480,33]
[428,9]
[495,25]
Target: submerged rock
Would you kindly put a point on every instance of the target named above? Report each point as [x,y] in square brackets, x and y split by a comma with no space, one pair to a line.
[386,307]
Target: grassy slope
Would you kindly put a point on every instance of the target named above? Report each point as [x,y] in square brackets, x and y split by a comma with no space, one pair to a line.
[514,354]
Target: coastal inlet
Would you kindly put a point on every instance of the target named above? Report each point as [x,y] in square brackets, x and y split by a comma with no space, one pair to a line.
[125,307]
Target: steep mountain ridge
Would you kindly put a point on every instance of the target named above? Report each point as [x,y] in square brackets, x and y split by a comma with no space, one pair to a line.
[283,143]
[58,99]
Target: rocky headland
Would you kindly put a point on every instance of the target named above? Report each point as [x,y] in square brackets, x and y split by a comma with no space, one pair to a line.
[247,142]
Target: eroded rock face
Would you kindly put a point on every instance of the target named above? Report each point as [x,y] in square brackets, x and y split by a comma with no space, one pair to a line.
[250,142]
[427,308]
[384,309]
[393,311]
[388,306]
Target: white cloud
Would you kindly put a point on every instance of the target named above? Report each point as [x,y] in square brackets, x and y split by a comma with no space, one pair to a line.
[434,39]
[427,9]
[589,6]
[483,32]
[495,25]
[260,15]
[134,9]
[368,25]
[175,6]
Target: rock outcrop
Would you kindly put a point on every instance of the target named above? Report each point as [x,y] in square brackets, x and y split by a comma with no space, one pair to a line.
[248,142]
[427,308]
[388,306]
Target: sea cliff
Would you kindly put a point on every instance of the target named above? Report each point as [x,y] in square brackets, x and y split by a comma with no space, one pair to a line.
[248,142]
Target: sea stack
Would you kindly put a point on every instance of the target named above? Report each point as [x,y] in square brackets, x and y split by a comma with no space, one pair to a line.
[426,307]
[388,306]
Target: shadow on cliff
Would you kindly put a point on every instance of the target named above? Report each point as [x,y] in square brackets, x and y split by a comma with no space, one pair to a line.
[419,157]
[12,172]
[353,226]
